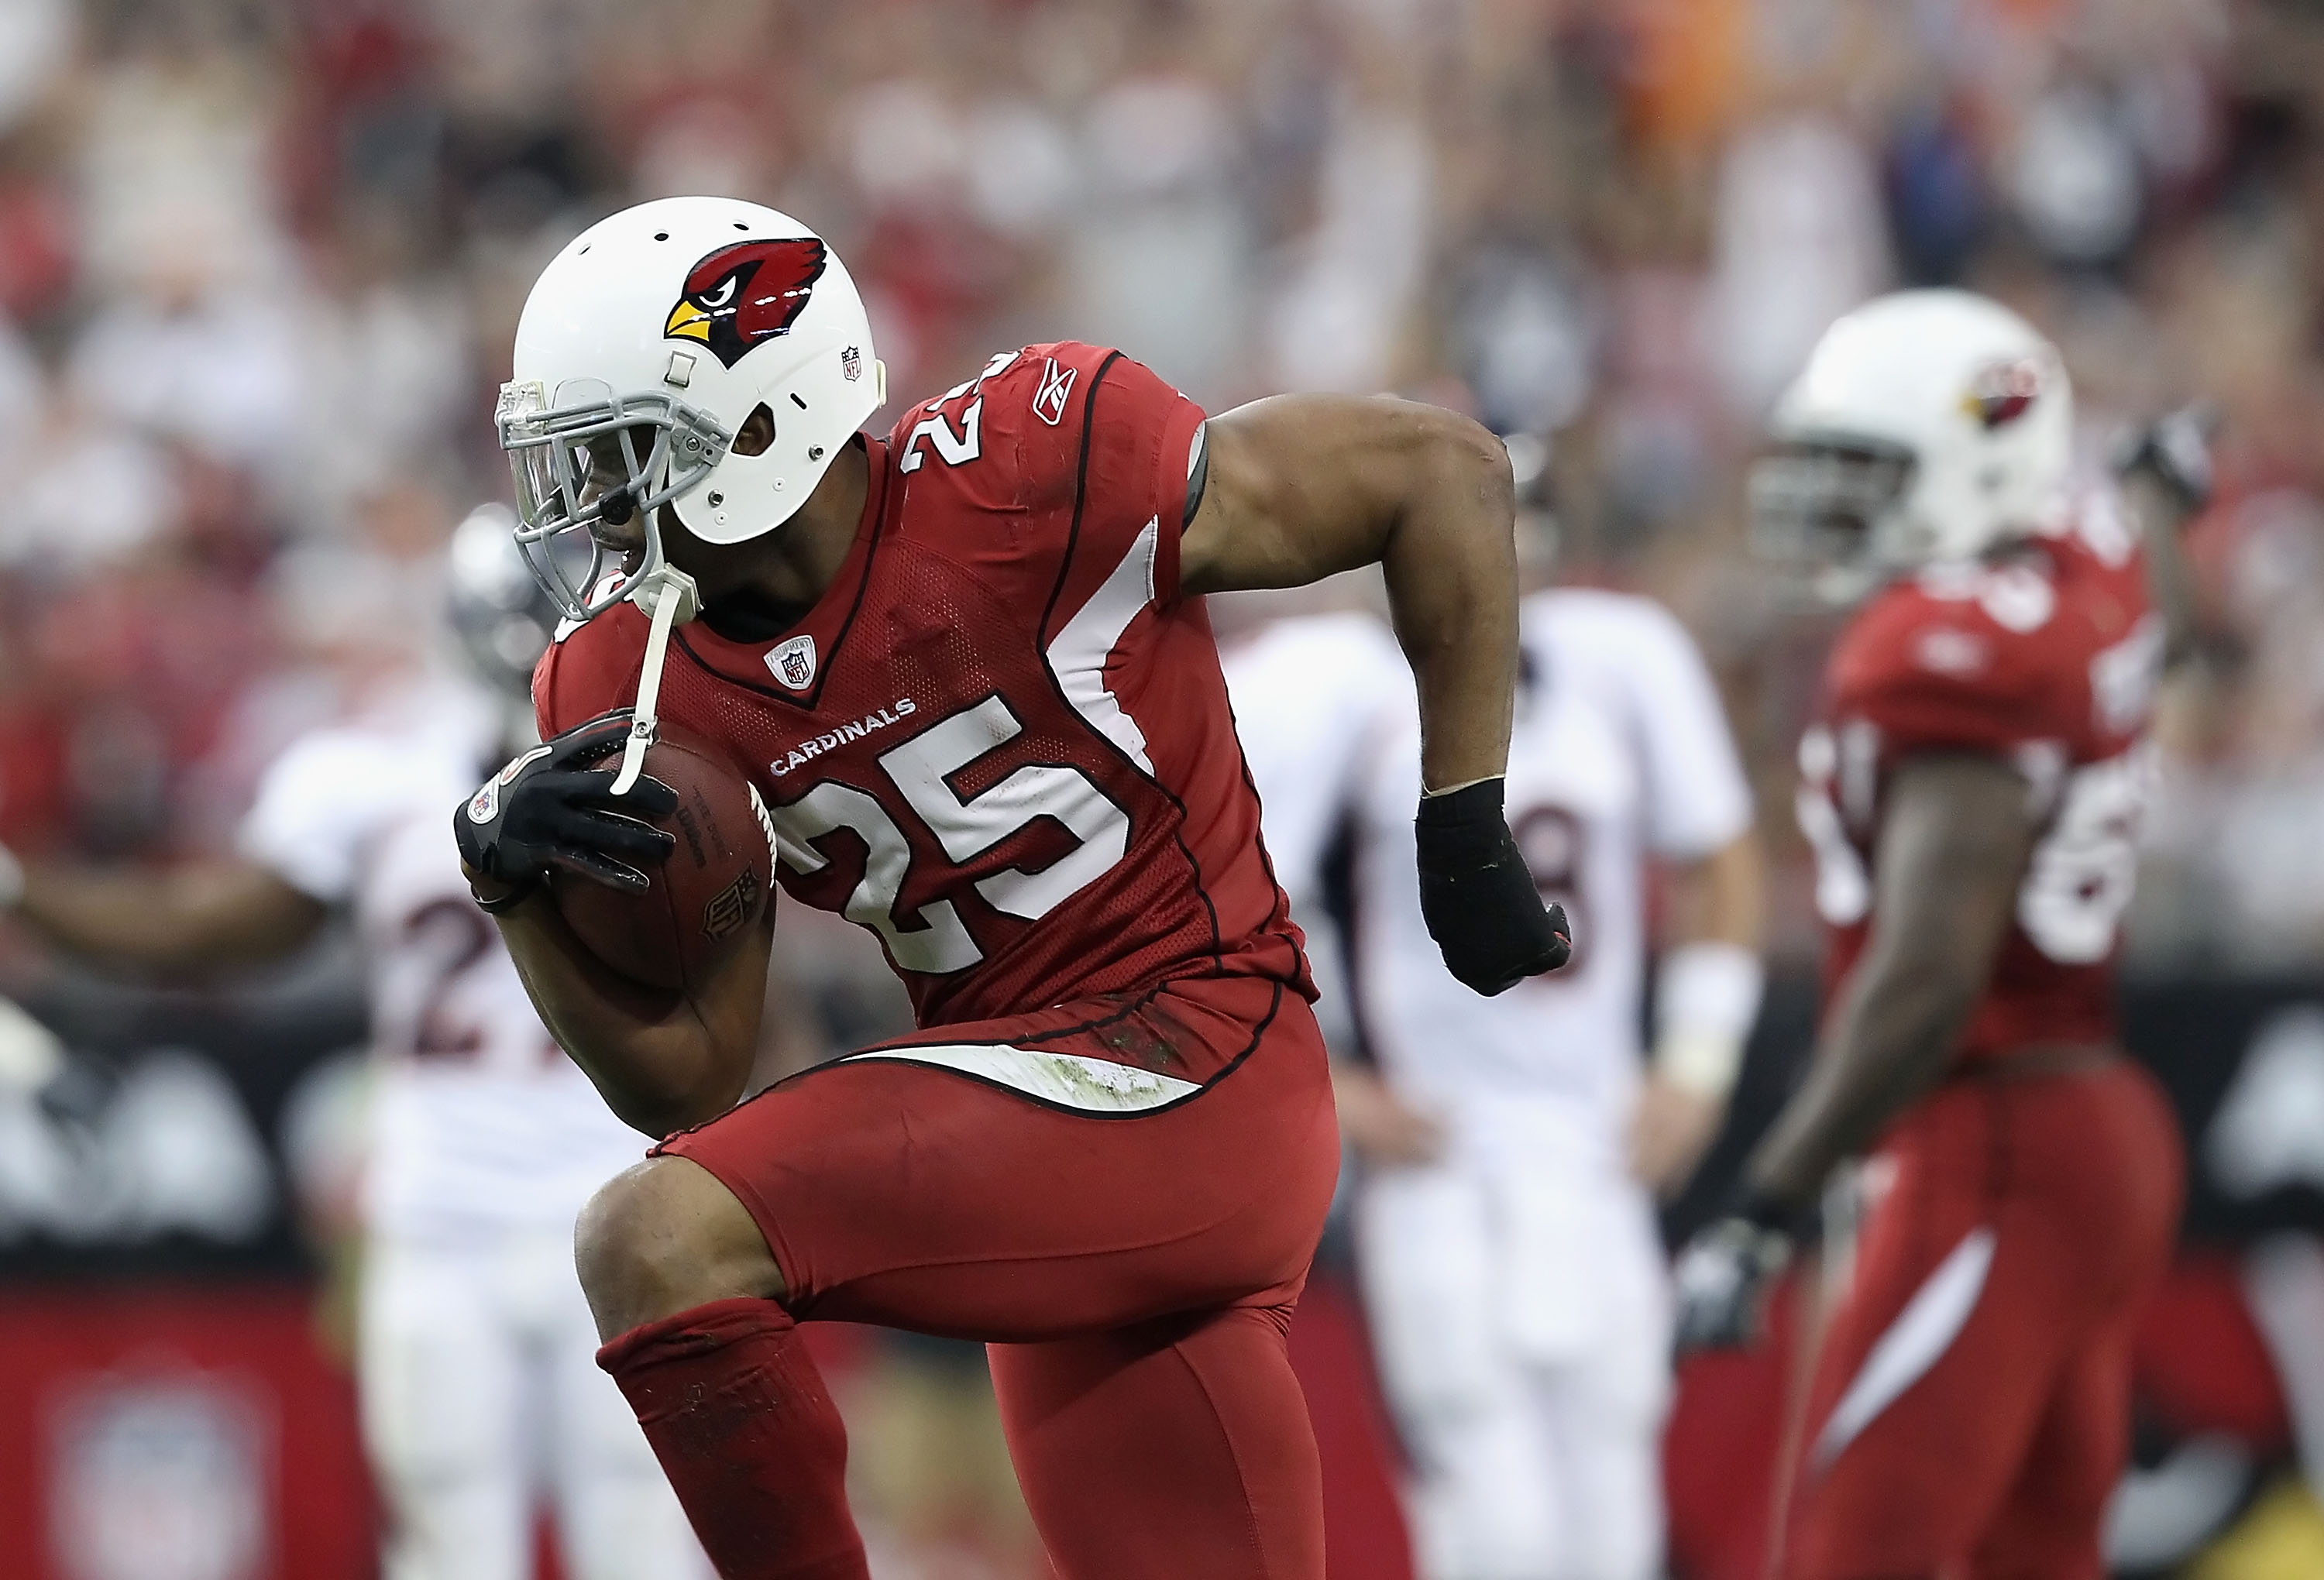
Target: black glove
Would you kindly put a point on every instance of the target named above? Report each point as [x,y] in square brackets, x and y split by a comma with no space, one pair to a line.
[1721,1278]
[2175,450]
[548,808]
[1476,897]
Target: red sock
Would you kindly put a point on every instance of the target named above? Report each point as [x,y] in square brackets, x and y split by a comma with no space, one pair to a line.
[739,1420]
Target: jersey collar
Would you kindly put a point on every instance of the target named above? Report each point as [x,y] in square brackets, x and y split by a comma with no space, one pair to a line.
[757,666]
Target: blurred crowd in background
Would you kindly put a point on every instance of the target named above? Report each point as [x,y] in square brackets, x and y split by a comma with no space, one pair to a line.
[260,264]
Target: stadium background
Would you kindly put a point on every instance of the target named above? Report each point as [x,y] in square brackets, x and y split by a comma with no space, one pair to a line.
[259,268]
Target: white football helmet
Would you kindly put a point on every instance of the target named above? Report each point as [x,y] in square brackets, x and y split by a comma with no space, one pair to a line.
[1928,425]
[657,332]
[499,612]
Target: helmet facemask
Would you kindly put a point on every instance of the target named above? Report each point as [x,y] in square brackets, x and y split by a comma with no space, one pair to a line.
[1831,509]
[557,456]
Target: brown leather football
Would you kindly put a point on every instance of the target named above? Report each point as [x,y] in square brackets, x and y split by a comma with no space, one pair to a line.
[715,884]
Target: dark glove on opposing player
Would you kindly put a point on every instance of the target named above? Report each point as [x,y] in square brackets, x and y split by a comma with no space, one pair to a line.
[1476,897]
[550,808]
[2175,450]
[1721,1278]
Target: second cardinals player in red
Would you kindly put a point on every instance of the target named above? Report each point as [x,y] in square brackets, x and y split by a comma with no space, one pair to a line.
[966,669]
[1971,789]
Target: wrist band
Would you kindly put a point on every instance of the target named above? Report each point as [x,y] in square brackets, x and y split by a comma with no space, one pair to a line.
[505,902]
[1706,998]
[12,879]
[1461,830]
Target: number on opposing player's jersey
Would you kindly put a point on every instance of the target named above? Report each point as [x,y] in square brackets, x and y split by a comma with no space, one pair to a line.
[446,944]
[933,939]
[444,939]
[1554,843]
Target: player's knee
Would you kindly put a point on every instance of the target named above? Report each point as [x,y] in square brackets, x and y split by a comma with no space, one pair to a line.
[663,1237]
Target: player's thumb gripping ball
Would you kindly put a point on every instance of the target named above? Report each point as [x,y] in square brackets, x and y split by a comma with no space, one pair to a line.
[703,898]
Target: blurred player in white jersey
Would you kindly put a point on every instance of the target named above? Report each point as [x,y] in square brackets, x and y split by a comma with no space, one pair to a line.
[1512,1268]
[476,1355]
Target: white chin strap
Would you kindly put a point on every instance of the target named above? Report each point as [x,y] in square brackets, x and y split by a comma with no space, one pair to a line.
[669,597]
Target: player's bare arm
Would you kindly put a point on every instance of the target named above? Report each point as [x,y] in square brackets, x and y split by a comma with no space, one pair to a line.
[1953,853]
[1301,487]
[213,917]
[1717,902]
[662,1060]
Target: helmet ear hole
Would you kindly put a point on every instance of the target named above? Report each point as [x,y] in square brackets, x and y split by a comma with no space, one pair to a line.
[757,432]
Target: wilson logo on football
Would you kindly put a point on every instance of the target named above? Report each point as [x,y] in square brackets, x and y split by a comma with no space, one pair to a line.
[739,295]
[2003,392]
[1050,399]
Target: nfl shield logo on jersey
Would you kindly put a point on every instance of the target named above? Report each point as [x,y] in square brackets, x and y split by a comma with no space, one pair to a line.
[793,662]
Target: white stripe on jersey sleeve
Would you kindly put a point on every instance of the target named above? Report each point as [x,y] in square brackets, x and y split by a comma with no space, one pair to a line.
[1077,655]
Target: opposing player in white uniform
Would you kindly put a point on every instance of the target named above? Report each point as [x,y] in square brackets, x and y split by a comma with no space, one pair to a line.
[1513,1272]
[475,1349]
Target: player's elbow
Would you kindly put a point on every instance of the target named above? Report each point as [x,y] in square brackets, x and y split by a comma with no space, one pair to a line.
[658,1109]
[659,1087]
[1456,454]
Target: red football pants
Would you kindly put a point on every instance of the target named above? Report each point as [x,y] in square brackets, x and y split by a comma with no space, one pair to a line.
[1970,1412]
[1130,1244]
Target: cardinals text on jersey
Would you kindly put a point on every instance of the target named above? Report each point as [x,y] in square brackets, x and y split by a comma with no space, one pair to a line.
[2050,661]
[1011,758]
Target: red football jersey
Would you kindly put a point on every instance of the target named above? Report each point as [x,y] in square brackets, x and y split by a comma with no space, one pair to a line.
[2050,660]
[1000,739]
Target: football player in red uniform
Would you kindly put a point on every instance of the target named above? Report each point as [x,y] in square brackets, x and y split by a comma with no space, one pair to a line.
[1971,789]
[966,668]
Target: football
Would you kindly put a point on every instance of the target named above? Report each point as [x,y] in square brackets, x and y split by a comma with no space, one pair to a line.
[704,896]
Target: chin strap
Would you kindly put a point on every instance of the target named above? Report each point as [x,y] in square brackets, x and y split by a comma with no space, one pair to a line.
[670,598]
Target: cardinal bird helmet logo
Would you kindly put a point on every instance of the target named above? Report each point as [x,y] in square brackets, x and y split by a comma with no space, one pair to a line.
[742,295]
[2003,392]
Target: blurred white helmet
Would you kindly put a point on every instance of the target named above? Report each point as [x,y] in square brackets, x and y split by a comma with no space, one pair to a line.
[499,611]
[1928,425]
[657,333]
